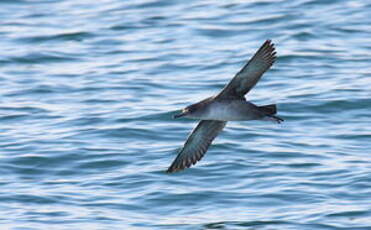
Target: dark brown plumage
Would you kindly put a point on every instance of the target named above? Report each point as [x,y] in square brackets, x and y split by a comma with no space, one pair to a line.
[197,144]
[251,73]
[208,128]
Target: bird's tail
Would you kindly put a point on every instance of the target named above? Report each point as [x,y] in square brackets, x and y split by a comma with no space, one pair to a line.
[269,111]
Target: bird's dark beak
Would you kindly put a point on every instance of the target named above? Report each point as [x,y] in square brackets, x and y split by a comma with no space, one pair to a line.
[183,113]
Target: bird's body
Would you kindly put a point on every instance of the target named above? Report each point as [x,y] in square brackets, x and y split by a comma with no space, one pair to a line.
[226,110]
[229,105]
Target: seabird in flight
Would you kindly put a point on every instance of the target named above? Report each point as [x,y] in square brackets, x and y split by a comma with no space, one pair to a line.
[229,105]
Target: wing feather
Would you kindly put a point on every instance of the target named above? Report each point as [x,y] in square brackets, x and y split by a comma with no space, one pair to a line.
[197,144]
[251,73]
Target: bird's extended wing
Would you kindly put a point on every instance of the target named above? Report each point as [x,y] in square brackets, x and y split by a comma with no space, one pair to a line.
[250,74]
[197,144]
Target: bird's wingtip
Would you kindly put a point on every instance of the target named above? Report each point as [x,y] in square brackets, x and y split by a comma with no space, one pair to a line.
[172,170]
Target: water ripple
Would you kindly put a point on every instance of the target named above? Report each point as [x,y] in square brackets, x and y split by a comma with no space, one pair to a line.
[88,91]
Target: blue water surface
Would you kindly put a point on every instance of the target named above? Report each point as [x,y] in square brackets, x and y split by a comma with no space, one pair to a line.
[88,90]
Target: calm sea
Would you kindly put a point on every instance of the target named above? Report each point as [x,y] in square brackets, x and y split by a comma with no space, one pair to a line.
[88,90]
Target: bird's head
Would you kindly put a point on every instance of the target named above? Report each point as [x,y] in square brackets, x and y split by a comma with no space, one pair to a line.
[195,110]
[187,111]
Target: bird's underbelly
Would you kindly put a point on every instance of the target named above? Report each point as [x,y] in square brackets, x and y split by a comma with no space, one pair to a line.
[229,112]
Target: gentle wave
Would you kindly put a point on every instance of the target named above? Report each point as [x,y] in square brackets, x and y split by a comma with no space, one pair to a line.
[88,91]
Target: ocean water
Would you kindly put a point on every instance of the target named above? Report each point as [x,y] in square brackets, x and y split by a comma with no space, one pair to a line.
[88,90]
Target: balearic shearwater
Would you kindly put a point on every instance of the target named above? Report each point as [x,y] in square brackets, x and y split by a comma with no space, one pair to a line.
[229,105]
